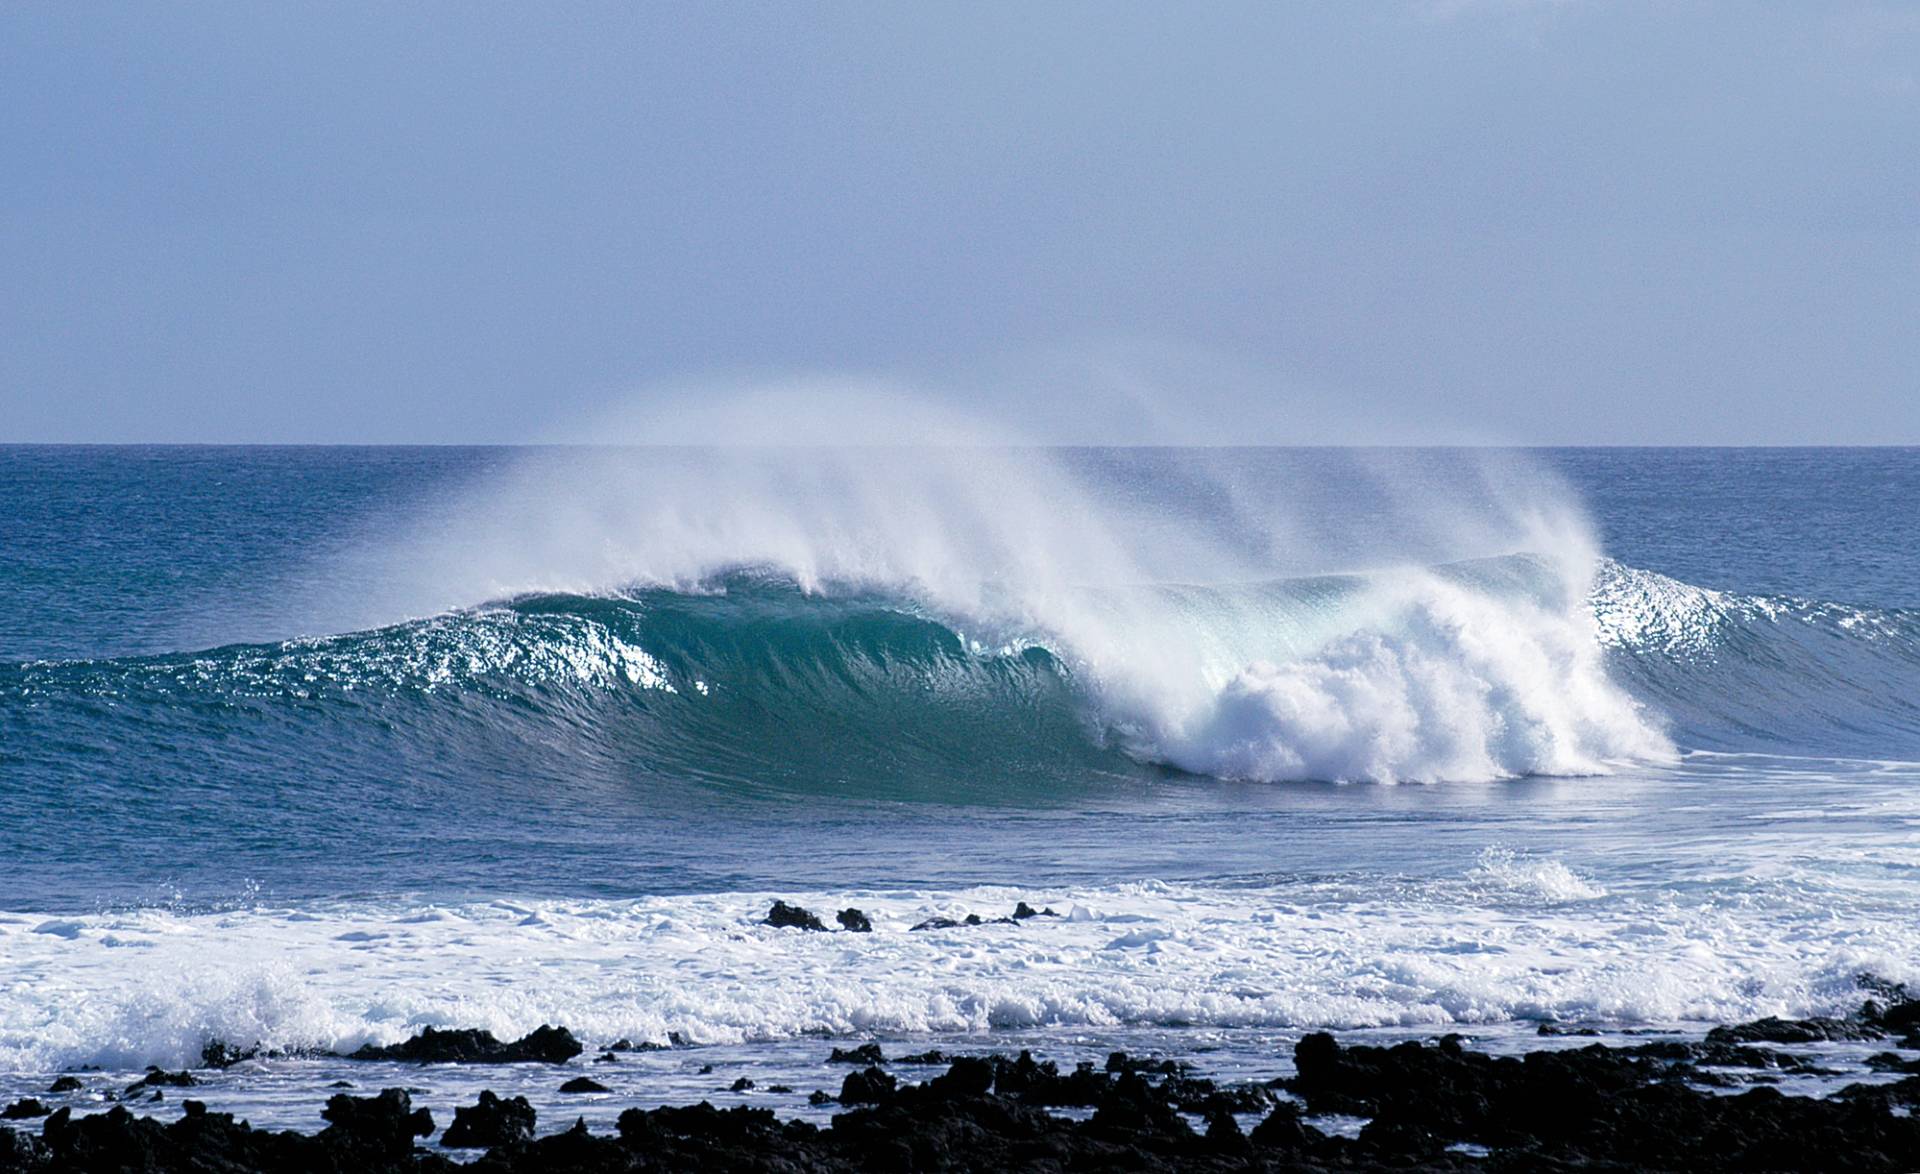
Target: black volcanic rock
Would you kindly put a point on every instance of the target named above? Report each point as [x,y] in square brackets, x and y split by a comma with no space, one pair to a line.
[785,916]
[866,1055]
[1589,1110]
[853,921]
[156,1077]
[66,1084]
[583,1084]
[948,922]
[1592,1105]
[1793,1031]
[969,1076]
[381,1126]
[866,1087]
[220,1054]
[544,1045]
[490,1122]
[23,1109]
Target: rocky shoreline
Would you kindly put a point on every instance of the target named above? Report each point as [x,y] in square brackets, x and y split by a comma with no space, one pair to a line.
[1427,1105]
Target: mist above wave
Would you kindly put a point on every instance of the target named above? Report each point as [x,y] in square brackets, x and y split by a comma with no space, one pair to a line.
[1125,564]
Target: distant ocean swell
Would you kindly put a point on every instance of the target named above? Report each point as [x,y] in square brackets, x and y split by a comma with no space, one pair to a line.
[1466,672]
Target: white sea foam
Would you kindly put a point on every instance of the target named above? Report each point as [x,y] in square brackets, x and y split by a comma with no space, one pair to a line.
[1513,936]
[1409,675]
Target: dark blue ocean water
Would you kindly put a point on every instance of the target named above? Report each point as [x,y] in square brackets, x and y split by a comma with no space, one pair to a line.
[314,746]
[156,737]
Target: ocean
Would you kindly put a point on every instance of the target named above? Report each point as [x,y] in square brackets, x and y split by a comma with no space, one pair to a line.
[307,748]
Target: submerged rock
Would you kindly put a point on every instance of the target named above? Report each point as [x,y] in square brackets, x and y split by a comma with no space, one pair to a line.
[948,922]
[66,1084]
[1021,912]
[584,1084]
[543,1045]
[158,1076]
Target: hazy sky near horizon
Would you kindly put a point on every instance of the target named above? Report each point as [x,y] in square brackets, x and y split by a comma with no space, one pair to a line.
[1563,221]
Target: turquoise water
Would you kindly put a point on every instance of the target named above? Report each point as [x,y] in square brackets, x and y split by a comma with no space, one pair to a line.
[314,746]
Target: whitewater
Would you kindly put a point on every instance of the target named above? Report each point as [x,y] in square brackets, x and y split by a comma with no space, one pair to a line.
[306,749]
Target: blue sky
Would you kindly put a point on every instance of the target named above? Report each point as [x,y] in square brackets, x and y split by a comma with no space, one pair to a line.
[1554,222]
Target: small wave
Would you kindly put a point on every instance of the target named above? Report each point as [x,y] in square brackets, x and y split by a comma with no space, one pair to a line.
[1749,672]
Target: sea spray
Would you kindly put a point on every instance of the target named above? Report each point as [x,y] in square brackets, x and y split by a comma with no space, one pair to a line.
[1173,592]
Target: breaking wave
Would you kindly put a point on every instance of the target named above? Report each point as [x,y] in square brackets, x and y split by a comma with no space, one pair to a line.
[1472,671]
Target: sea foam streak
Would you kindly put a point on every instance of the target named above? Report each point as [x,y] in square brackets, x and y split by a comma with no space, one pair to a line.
[1514,936]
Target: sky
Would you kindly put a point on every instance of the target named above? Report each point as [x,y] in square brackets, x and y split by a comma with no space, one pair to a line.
[1410,221]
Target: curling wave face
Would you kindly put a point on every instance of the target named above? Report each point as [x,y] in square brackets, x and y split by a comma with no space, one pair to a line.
[1490,669]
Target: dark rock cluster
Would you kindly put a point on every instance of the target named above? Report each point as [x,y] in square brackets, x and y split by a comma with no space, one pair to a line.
[785,916]
[542,1045]
[1429,1106]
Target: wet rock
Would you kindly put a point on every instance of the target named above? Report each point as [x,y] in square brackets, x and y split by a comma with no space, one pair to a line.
[779,1088]
[156,1077]
[1429,1106]
[1132,1108]
[490,1122]
[66,1084]
[583,1084]
[1036,1083]
[819,1096]
[853,921]
[1558,1029]
[1023,911]
[342,1084]
[949,923]
[866,1055]
[383,1125]
[932,1056]
[1281,1130]
[744,1084]
[1592,1106]
[868,1086]
[969,1076]
[1894,1062]
[1793,1031]
[544,1045]
[1119,1063]
[24,1108]
[1224,1135]
[20,1151]
[220,1054]
[785,916]
[606,1058]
